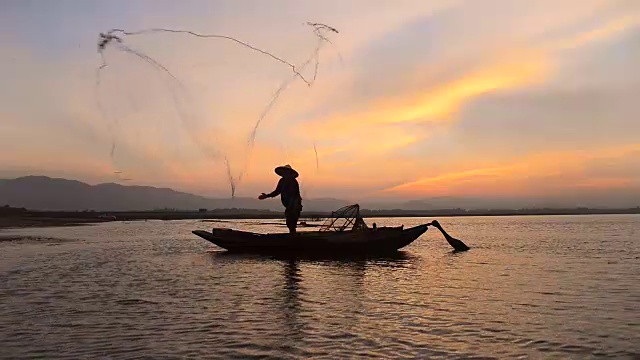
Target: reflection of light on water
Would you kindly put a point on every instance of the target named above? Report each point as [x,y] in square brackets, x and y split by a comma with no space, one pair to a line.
[290,308]
[152,289]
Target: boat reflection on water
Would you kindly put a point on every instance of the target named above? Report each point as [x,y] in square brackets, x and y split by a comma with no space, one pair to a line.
[291,306]
[393,259]
[313,295]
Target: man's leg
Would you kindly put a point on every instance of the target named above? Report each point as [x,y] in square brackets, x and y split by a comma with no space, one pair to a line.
[292,216]
[291,222]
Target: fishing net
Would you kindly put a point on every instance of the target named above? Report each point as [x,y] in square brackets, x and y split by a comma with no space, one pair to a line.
[220,122]
[343,218]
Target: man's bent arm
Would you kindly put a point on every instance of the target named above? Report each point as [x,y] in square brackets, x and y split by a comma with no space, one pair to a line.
[276,192]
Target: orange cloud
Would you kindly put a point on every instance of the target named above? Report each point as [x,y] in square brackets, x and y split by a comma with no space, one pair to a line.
[510,69]
[605,183]
[523,176]
[607,30]
[436,104]
[447,99]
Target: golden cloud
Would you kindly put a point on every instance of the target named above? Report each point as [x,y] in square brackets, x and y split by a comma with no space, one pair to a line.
[524,175]
[435,104]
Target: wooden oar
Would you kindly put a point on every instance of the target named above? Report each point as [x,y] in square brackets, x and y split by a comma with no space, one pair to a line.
[455,243]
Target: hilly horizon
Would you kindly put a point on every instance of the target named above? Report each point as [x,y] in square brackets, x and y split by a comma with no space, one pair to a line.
[46,193]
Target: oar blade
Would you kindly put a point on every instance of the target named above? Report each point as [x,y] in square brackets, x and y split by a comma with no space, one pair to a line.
[456,244]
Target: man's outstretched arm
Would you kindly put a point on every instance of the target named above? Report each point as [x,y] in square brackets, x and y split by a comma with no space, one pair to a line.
[274,193]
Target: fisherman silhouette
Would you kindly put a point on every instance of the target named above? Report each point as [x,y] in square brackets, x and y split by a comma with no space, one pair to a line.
[289,191]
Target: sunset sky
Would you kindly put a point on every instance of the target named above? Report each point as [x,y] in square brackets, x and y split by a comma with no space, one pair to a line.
[414,99]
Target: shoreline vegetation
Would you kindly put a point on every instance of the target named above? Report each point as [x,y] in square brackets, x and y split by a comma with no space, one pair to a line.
[11,217]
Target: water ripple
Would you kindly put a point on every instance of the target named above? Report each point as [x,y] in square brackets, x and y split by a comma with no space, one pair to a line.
[151,290]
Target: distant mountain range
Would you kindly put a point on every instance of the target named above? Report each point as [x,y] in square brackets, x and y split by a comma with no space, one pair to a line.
[45,193]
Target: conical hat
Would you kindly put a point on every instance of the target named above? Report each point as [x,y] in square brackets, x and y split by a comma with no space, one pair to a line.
[286,169]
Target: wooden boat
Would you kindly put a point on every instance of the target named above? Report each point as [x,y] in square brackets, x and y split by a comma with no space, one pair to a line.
[334,237]
[369,241]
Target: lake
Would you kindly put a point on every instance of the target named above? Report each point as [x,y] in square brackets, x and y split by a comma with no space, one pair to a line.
[530,287]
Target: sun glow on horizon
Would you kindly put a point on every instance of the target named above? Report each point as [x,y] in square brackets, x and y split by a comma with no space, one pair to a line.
[420,101]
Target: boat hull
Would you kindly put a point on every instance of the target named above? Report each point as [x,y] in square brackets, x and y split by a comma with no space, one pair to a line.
[370,241]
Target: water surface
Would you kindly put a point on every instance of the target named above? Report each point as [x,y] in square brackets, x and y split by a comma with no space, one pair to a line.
[530,287]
